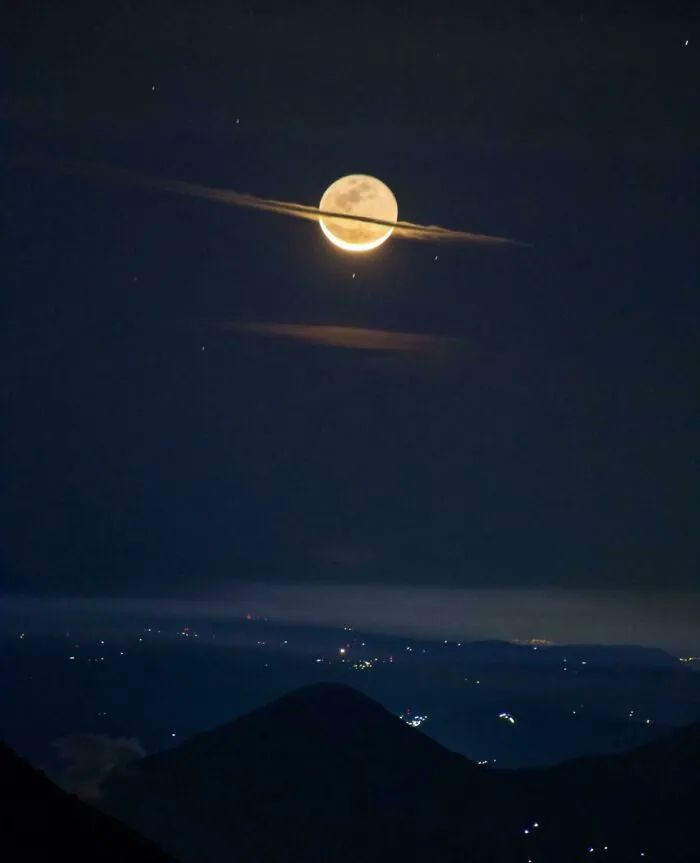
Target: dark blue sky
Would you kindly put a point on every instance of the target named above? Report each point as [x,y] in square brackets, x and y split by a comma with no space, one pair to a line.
[558,447]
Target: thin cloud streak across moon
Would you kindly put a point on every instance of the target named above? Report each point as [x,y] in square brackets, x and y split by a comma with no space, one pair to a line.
[353,338]
[402,229]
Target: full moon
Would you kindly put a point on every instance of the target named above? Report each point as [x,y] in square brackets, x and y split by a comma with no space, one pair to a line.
[358,195]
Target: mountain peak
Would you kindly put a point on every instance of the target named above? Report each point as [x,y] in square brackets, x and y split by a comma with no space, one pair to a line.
[327,773]
[320,720]
[327,702]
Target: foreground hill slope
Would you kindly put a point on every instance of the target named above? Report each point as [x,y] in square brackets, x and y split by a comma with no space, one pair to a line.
[40,822]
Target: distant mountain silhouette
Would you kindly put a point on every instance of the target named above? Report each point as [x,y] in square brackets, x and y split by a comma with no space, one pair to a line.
[327,774]
[39,822]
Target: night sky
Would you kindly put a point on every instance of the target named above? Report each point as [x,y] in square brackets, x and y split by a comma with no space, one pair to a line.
[151,448]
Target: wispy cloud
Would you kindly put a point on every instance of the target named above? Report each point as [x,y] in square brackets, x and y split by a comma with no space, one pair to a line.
[402,229]
[351,338]
[89,758]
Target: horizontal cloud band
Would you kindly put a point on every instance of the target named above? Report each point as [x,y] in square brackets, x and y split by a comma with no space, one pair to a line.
[402,229]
